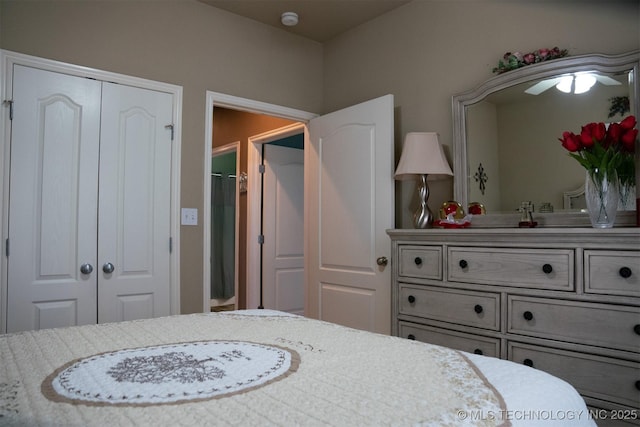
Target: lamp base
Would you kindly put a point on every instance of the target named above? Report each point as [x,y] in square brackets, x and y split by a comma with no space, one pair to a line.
[423,217]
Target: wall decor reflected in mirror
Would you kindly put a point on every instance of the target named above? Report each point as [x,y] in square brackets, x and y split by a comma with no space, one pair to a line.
[511,124]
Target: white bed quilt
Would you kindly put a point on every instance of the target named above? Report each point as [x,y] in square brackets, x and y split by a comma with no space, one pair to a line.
[241,369]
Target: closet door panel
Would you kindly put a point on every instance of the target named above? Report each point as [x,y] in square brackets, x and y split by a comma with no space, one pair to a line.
[134,209]
[53,200]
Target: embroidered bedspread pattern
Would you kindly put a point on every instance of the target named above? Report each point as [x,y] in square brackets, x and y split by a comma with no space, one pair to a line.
[342,376]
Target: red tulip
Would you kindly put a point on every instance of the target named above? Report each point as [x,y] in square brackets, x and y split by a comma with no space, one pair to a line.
[570,141]
[591,133]
[628,123]
[614,132]
[629,139]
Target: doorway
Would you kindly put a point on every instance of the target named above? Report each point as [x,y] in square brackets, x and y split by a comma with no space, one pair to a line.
[225,195]
[248,292]
[348,205]
[276,213]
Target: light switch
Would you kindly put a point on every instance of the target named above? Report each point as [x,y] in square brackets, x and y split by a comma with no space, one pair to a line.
[189,216]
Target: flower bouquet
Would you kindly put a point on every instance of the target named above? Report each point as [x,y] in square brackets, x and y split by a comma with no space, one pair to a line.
[607,154]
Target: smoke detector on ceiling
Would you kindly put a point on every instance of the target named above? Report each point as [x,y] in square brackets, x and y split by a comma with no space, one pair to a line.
[289,19]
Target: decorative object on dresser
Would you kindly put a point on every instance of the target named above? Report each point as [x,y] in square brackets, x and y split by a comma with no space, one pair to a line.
[608,155]
[422,155]
[562,300]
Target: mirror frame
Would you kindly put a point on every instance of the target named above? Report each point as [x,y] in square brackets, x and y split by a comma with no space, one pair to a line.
[570,64]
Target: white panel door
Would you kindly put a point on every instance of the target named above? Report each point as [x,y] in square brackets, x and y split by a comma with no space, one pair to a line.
[283,229]
[350,199]
[53,200]
[135,202]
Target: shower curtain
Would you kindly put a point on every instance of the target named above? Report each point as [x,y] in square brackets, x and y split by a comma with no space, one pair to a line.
[223,228]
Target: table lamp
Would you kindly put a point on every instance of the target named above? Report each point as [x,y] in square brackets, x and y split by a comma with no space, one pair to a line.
[422,155]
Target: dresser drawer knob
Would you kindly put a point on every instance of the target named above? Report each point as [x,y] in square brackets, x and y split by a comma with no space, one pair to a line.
[411,337]
[636,329]
[478,308]
[625,272]
[477,351]
[418,260]
[528,362]
[411,299]
[547,268]
[528,315]
[463,263]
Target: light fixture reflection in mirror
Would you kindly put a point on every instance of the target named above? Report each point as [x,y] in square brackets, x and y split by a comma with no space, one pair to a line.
[515,134]
[577,84]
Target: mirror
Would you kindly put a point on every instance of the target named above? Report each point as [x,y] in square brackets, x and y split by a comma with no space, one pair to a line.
[505,141]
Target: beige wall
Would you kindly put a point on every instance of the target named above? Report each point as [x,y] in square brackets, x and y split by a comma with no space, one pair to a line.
[183,42]
[426,51]
[423,53]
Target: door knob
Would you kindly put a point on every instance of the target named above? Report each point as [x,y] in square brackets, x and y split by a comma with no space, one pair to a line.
[86,268]
[108,268]
[382,260]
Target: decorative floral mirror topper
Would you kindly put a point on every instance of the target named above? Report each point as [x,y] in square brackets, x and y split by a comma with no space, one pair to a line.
[513,60]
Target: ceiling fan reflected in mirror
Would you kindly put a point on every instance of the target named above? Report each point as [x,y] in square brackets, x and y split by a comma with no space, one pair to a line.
[572,83]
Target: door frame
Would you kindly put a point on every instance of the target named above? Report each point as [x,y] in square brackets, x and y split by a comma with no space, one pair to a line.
[7,61]
[216,99]
[254,207]
[219,151]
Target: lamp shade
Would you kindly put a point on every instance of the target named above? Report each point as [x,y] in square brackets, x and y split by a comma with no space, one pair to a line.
[422,154]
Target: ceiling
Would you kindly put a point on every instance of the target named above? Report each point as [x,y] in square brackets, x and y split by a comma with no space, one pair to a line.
[319,20]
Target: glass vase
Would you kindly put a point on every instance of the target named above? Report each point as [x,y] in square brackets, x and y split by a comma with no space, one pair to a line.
[601,194]
[627,196]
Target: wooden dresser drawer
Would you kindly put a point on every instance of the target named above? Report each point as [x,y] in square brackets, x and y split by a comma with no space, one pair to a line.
[612,272]
[598,377]
[597,324]
[530,268]
[479,309]
[423,262]
[453,339]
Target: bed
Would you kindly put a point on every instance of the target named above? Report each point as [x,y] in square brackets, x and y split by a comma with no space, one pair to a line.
[263,367]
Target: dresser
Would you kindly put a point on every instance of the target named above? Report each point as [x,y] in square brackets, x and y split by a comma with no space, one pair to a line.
[562,300]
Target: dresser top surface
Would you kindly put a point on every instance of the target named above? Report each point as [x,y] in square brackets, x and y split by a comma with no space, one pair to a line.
[629,237]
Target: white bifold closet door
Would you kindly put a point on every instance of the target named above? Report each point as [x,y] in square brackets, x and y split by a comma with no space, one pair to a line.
[89,202]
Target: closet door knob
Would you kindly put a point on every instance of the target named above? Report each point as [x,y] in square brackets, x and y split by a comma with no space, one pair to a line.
[478,308]
[625,272]
[411,337]
[411,299]
[86,268]
[547,268]
[418,260]
[528,362]
[108,268]
[528,315]
[463,263]
[382,261]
